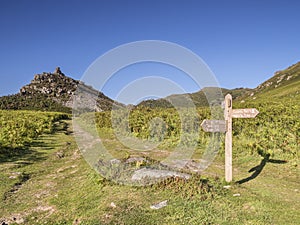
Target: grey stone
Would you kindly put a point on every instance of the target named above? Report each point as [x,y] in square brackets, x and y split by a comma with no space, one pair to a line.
[159,205]
[141,174]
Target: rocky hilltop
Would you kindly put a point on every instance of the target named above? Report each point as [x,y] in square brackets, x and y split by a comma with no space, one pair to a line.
[55,85]
[281,78]
[56,92]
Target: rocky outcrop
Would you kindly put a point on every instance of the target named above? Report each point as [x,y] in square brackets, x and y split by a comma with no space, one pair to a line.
[55,85]
[62,90]
[280,78]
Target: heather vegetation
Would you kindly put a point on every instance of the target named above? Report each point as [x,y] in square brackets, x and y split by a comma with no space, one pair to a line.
[274,131]
[44,178]
[20,128]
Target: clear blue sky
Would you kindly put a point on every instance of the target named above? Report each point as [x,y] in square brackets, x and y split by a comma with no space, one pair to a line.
[243,42]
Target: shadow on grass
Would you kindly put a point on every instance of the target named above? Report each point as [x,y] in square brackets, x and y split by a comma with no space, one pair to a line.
[258,169]
[26,155]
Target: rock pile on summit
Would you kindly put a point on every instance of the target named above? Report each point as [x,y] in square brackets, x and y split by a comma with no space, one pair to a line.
[55,92]
[55,85]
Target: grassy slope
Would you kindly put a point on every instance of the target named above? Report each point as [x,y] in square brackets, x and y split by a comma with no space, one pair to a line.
[283,85]
[58,187]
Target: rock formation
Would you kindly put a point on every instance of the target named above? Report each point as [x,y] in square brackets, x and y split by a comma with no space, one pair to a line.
[58,88]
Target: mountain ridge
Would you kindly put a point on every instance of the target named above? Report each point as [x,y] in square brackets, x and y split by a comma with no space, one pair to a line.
[55,92]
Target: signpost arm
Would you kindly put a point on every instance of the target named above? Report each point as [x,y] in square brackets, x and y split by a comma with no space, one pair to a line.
[228,138]
[220,126]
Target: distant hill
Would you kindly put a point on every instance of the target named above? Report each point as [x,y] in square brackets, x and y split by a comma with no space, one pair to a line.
[54,92]
[283,84]
[198,98]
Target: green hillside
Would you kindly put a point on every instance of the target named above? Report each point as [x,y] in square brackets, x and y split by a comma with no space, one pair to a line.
[37,101]
[284,84]
[199,99]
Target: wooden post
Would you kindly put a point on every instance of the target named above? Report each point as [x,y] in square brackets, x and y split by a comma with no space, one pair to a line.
[228,138]
[226,126]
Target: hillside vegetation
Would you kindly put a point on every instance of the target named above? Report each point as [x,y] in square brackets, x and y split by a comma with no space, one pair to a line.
[46,180]
[275,131]
[20,128]
[199,98]
[51,183]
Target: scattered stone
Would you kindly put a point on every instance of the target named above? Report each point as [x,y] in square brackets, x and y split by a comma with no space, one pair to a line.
[18,220]
[136,159]
[156,174]
[14,219]
[248,206]
[107,216]
[115,161]
[14,175]
[60,154]
[227,186]
[176,163]
[49,209]
[188,164]
[113,205]
[236,195]
[159,205]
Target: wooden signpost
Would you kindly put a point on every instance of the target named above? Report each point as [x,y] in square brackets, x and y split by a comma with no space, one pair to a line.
[214,125]
[244,113]
[225,126]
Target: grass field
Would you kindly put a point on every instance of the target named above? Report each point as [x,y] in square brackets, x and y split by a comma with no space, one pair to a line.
[50,183]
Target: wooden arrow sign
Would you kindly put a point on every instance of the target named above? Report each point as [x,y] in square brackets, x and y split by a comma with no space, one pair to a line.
[214,125]
[225,126]
[244,113]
